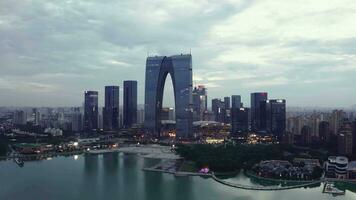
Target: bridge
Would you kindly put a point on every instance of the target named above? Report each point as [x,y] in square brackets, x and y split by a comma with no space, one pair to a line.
[265,188]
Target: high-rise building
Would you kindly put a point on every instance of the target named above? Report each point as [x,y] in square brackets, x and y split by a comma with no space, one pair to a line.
[140,116]
[306,135]
[218,108]
[130,103]
[236,101]
[324,132]
[258,114]
[20,117]
[337,118]
[345,140]
[91,114]
[239,120]
[180,69]
[76,120]
[276,117]
[200,102]
[227,103]
[111,109]
[227,106]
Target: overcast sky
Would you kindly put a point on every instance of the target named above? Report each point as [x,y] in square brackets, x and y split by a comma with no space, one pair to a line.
[300,50]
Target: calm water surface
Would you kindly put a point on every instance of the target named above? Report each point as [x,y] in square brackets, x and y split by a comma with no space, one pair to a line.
[118,176]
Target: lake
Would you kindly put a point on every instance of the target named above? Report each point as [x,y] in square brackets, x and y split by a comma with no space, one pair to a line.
[119,176]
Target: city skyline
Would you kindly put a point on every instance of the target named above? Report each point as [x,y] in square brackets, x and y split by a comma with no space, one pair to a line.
[308,59]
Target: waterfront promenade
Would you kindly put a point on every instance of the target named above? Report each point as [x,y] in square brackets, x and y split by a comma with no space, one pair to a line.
[265,188]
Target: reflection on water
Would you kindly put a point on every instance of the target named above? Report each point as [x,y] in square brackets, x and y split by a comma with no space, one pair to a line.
[118,176]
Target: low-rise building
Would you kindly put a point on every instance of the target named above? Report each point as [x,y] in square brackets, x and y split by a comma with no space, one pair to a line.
[336,167]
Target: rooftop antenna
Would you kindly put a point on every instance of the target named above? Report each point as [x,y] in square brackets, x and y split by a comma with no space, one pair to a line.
[190,51]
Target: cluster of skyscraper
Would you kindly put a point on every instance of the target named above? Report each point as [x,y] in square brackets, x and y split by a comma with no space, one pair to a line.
[264,115]
[191,104]
[111,111]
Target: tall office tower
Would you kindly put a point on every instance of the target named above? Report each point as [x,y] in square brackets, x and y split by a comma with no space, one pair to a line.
[111,109]
[76,119]
[239,120]
[276,117]
[345,140]
[200,102]
[180,69]
[227,106]
[337,118]
[218,109]
[130,103]
[20,117]
[258,114]
[91,113]
[227,103]
[324,132]
[235,101]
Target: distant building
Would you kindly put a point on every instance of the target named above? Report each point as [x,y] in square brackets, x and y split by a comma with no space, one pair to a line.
[345,140]
[54,132]
[76,119]
[227,103]
[236,101]
[227,106]
[20,117]
[239,120]
[140,116]
[306,135]
[91,114]
[258,114]
[218,108]
[111,109]
[337,118]
[324,132]
[130,103]
[200,102]
[276,117]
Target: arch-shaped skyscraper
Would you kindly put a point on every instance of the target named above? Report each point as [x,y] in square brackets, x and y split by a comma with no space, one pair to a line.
[180,69]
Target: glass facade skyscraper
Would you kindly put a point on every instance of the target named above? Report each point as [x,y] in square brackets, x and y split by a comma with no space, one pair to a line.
[111,109]
[276,117]
[180,69]
[258,110]
[218,108]
[235,101]
[90,110]
[200,102]
[130,103]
